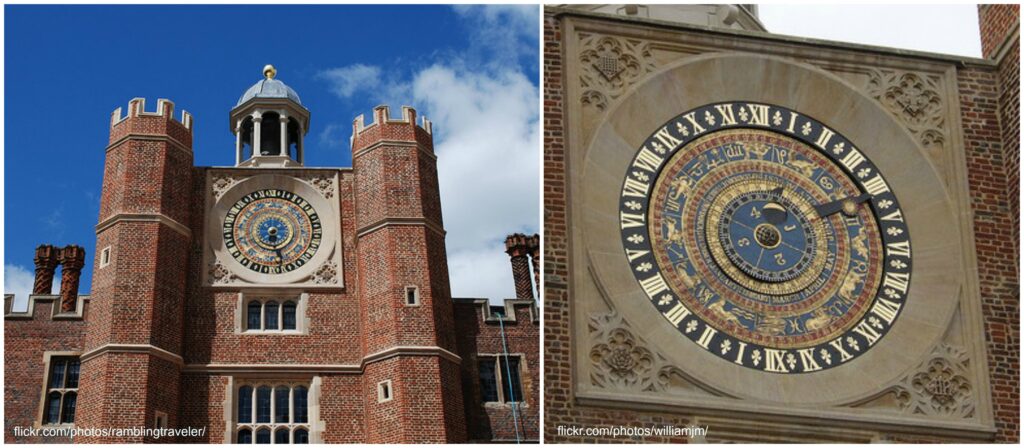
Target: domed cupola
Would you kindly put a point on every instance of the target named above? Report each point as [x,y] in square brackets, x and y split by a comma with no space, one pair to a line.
[269,123]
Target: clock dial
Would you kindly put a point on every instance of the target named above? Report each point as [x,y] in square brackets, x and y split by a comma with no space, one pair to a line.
[272,231]
[765,237]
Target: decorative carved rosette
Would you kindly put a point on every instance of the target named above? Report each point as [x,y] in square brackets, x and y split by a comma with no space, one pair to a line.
[324,184]
[622,360]
[221,183]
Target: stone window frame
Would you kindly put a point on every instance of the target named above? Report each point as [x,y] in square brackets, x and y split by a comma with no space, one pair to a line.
[105,256]
[45,389]
[314,427]
[416,295]
[301,300]
[500,379]
[385,391]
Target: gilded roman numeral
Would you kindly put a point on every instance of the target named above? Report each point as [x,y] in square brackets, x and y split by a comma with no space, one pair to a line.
[654,285]
[773,361]
[807,359]
[629,220]
[838,345]
[705,337]
[876,185]
[824,137]
[852,159]
[758,114]
[677,314]
[894,216]
[898,249]
[667,138]
[692,118]
[725,111]
[897,280]
[635,188]
[739,352]
[648,160]
[886,309]
[792,122]
[870,333]
[633,254]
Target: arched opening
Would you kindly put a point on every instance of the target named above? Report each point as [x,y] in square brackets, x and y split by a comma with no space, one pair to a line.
[293,139]
[270,134]
[245,140]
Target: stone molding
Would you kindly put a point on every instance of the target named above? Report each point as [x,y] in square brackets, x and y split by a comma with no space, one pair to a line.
[144,217]
[149,349]
[244,368]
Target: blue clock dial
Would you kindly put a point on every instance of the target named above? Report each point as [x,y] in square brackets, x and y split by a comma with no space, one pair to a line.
[272,231]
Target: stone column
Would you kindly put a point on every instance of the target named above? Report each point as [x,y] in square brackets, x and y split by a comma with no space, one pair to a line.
[517,246]
[535,261]
[257,120]
[238,143]
[284,134]
[46,263]
[72,258]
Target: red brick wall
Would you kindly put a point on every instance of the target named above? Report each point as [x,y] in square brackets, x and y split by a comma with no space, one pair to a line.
[996,21]
[997,269]
[474,337]
[25,341]
[396,179]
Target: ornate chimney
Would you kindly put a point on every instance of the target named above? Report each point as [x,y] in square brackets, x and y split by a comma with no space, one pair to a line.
[517,246]
[72,258]
[46,263]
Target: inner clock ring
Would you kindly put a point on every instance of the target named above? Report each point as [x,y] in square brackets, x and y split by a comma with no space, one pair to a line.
[762,236]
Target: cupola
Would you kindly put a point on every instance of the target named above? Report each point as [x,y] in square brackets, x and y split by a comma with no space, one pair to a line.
[269,123]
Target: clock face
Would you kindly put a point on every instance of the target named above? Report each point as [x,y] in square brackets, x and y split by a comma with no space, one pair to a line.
[765,237]
[272,231]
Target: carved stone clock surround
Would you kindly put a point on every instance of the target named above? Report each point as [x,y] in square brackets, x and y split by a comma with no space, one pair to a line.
[319,187]
[873,99]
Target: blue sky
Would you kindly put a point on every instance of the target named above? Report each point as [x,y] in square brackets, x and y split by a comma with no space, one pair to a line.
[472,70]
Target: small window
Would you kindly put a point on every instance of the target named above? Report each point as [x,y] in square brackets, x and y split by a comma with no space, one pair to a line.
[160,421]
[500,378]
[105,256]
[263,436]
[384,392]
[412,296]
[301,436]
[288,315]
[270,315]
[61,391]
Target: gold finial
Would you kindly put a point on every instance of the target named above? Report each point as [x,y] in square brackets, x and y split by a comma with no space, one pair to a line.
[269,71]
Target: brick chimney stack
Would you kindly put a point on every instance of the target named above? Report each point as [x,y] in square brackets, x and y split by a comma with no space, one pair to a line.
[46,263]
[517,246]
[72,258]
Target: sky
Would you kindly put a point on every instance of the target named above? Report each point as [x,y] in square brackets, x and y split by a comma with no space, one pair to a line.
[471,70]
[949,29]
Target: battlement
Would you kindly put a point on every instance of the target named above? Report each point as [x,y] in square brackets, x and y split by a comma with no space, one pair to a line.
[164,108]
[382,114]
[41,302]
[506,313]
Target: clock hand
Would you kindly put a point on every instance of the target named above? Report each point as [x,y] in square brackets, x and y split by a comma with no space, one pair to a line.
[847,205]
[773,212]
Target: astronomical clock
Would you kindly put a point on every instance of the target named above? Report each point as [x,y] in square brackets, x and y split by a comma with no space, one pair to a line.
[766,238]
[271,229]
[754,237]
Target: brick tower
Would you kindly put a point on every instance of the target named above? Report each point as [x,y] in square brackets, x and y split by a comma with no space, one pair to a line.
[411,381]
[132,350]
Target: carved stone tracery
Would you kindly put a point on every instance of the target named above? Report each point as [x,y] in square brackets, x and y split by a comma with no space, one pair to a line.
[914,99]
[610,65]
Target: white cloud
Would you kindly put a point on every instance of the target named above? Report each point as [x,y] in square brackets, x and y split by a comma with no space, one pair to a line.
[486,137]
[19,281]
[334,135]
[346,80]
